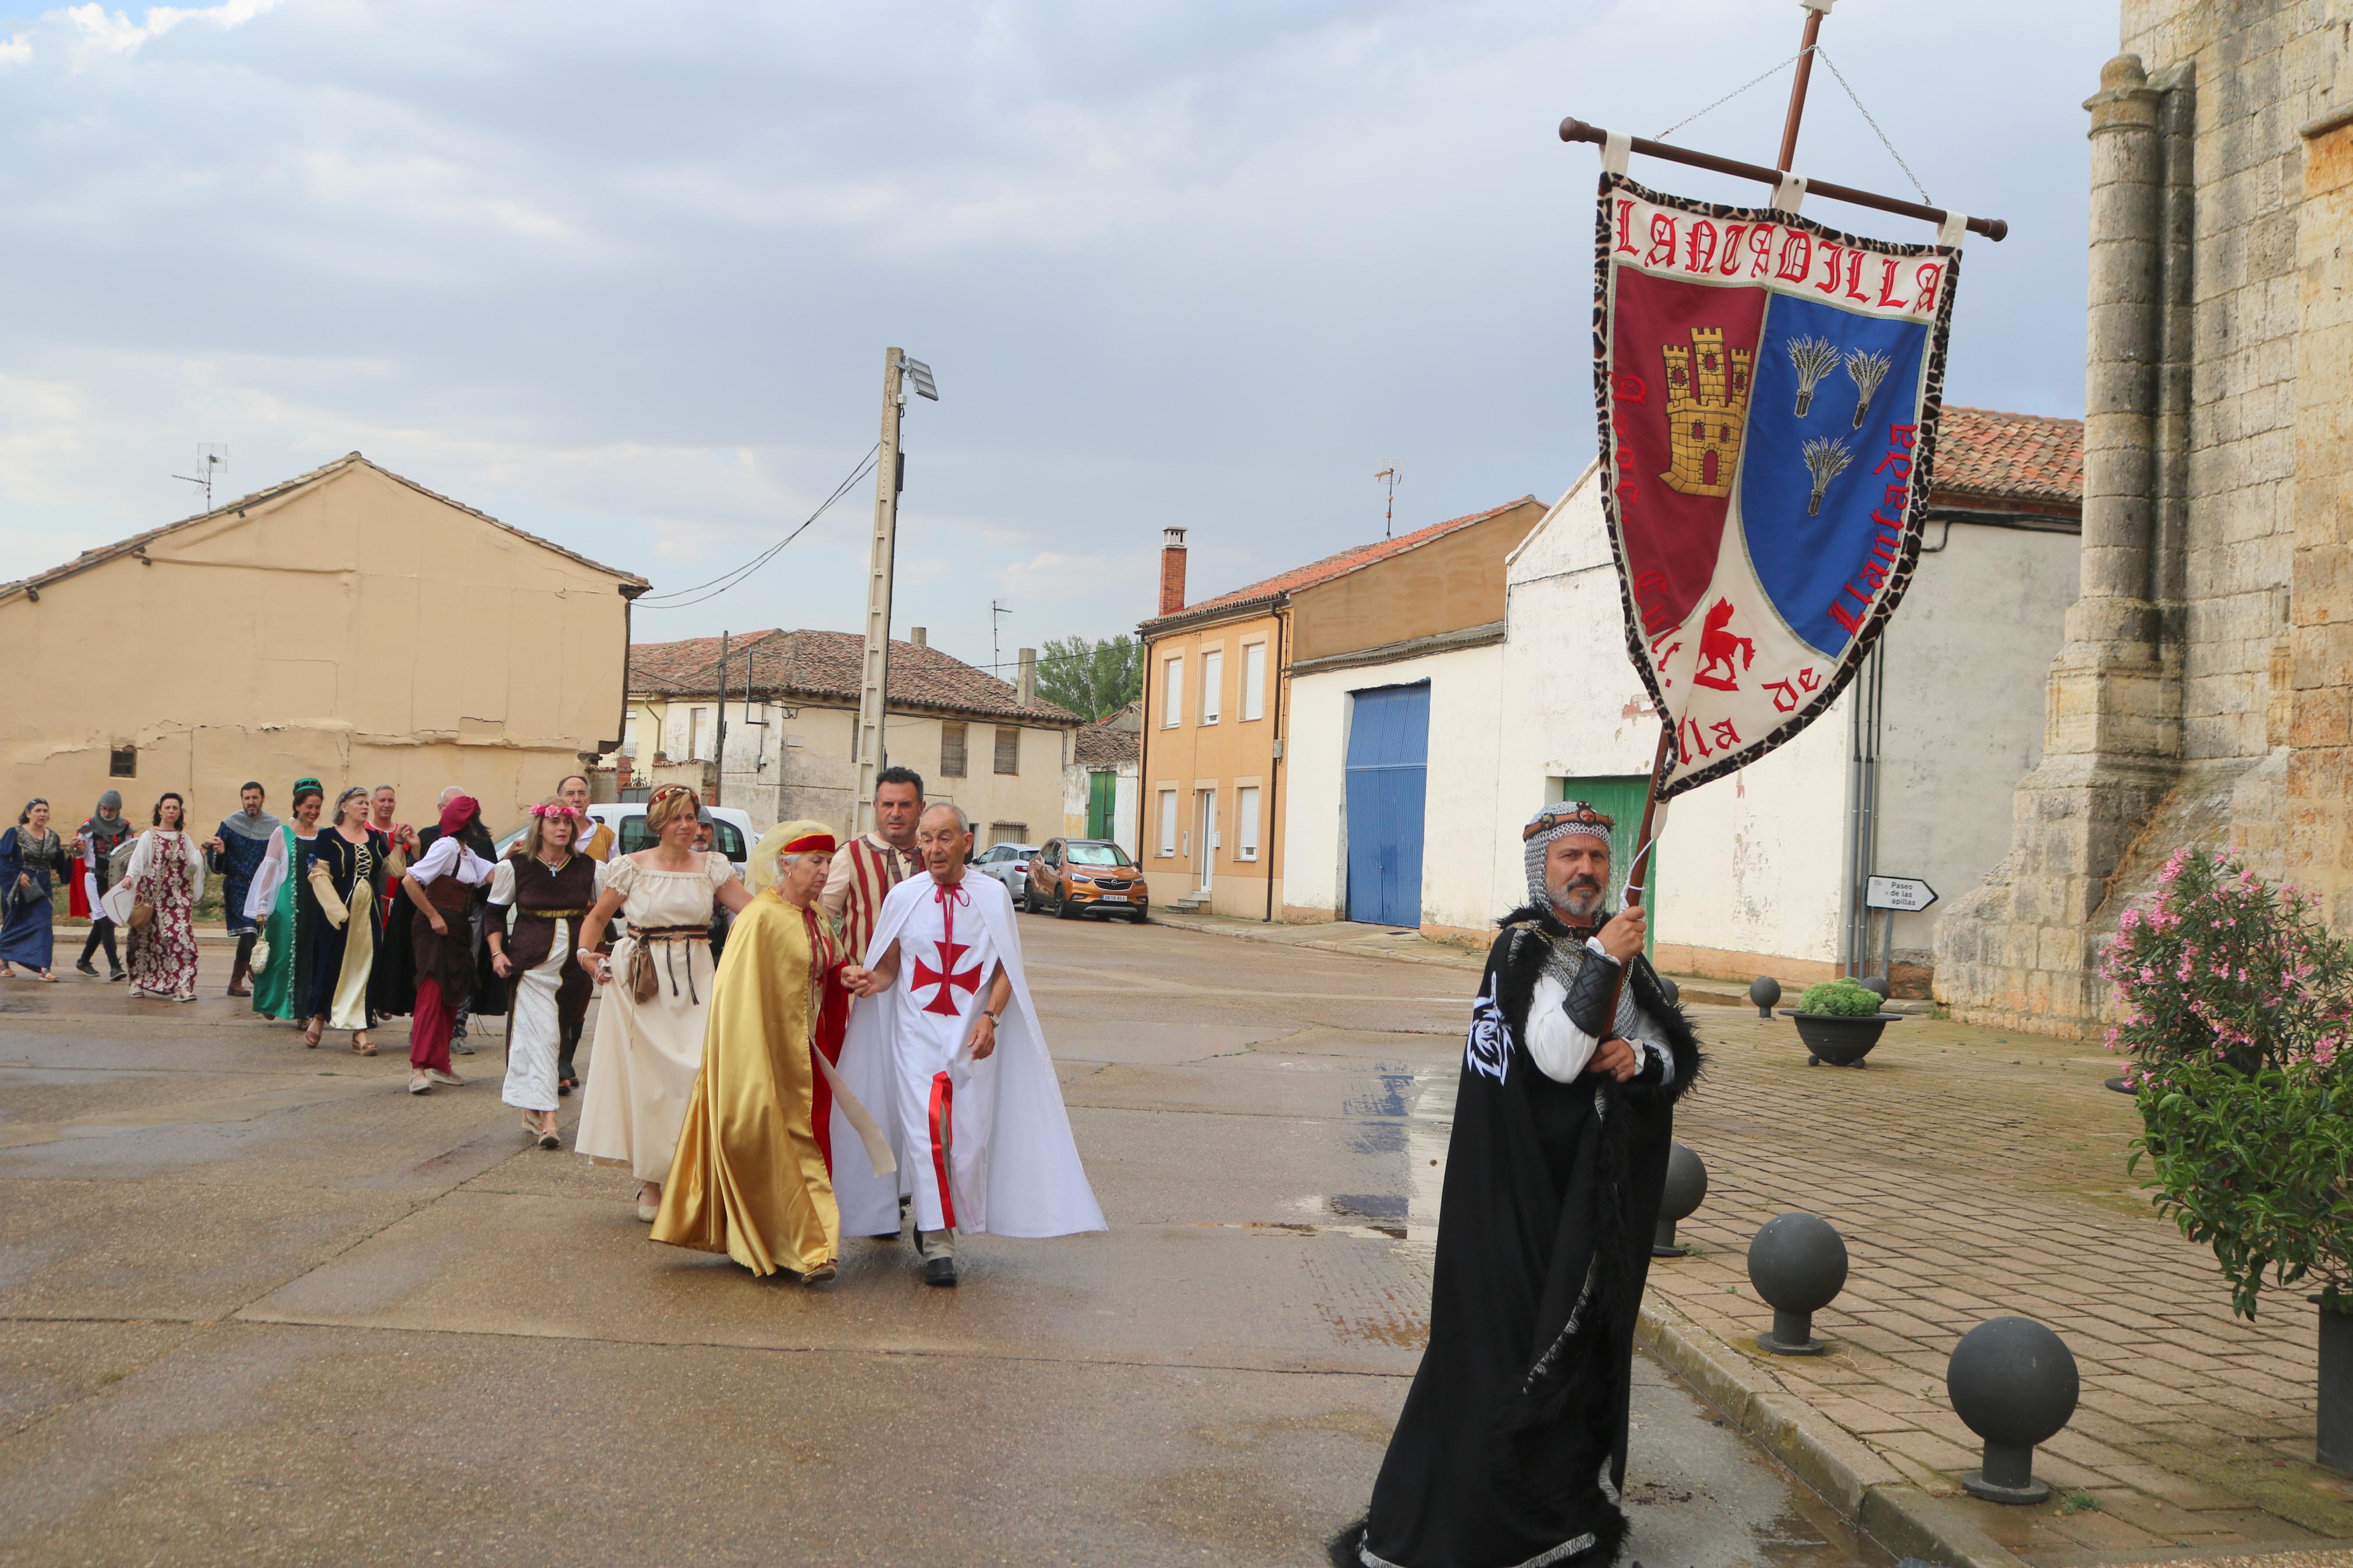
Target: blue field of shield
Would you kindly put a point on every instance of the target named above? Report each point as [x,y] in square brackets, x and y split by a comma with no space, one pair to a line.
[1829,384]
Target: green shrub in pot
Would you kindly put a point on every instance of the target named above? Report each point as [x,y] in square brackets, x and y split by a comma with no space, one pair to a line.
[1838,999]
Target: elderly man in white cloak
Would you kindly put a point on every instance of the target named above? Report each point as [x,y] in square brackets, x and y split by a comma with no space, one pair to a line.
[953,1061]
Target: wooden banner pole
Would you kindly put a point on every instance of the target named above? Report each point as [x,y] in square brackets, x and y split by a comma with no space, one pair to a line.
[1798,90]
[1645,842]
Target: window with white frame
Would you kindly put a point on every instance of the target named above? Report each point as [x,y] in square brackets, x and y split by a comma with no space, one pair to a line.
[1172,693]
[1213,683]
[1254,681]
[1167,821]
[1246,823]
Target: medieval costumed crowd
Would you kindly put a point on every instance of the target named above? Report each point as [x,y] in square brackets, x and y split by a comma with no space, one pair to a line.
[847,1040]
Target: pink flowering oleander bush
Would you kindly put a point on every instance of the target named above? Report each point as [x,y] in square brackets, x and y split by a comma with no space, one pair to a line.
[2235,1003]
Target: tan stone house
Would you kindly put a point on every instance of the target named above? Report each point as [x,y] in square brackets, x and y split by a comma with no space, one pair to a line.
[791,703]
[347,624]
[1217,689]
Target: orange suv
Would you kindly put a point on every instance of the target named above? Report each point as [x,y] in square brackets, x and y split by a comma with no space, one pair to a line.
[1075,875]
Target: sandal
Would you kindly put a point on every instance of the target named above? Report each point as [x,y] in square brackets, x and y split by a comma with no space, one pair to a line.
[45,975]
[362,1046]
[311,1032]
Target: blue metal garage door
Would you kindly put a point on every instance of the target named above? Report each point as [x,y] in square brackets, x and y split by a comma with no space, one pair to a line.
[1388,759]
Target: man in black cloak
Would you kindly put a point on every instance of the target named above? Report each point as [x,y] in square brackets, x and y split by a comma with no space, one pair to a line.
[1511,1447]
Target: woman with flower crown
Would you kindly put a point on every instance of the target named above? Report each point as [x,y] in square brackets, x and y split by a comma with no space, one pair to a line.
[657,993]
[549,886]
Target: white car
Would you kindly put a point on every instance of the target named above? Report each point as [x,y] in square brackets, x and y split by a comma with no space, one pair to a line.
[1010,864]
[733,833]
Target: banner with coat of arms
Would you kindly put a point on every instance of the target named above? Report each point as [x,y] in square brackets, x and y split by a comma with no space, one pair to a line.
[1769,391]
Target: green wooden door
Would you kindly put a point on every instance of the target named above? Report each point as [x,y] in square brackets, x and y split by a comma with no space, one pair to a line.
[1103,801]
[1620,798]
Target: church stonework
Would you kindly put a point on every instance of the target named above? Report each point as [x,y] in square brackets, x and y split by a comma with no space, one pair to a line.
[2201,698]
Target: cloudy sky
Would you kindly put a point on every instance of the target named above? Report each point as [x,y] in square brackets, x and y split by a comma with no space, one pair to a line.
[623,275]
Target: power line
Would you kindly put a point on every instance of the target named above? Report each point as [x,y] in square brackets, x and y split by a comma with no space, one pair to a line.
[678,600]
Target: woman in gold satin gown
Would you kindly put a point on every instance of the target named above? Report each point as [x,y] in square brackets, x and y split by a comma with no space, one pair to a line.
[749,1179]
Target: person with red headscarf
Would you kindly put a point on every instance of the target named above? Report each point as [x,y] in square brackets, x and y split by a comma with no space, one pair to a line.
[751,1178]
[442,885]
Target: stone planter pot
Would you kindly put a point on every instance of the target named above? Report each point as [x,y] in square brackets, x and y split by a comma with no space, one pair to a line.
[1843,1042]
[2336,1445]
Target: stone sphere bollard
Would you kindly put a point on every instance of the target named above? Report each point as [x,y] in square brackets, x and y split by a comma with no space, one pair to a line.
[1798,1263]
[1875,985]
[1763,990]
[2014,1383]
[1686,1188]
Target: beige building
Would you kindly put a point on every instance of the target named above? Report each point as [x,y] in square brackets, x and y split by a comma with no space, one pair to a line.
[347,624]
[2201,698]
[791,707]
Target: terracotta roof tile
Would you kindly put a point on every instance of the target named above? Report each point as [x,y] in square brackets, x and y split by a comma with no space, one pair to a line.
[1331,566]
[2030,458]
[1105,746]
[823,666]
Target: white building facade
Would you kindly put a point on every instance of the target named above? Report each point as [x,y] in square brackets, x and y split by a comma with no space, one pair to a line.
[1908,775]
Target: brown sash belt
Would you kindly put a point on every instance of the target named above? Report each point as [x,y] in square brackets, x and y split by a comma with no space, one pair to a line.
[551,914]
[671,933]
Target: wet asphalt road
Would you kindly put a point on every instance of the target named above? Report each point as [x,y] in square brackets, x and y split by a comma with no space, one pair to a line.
[259,1306]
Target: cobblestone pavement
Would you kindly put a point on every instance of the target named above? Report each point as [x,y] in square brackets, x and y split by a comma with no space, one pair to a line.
[1975,1174]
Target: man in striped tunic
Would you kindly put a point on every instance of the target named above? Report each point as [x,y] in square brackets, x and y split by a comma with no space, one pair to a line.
[873,863]
[864,873]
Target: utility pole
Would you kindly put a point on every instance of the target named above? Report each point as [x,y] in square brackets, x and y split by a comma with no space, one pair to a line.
[719,745]
[890,479]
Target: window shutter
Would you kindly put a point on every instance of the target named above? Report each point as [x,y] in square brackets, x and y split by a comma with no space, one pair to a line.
[1254,681]
[1008,749]
[951,751]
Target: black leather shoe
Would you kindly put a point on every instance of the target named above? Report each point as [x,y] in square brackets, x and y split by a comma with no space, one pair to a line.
[87,967]
[940,1271]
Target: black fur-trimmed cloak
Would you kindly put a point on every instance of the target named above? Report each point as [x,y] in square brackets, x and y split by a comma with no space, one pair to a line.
[1511,1447]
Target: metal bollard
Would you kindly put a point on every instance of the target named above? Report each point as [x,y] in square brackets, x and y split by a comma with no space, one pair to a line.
[1798,1263]
[2013,1381]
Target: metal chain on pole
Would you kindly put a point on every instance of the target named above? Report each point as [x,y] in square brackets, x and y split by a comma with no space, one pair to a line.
[1728,97]
[1875,130]
[1844,86]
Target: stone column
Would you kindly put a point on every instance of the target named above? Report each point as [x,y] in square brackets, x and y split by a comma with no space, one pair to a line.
[2121,347]
[2022,951]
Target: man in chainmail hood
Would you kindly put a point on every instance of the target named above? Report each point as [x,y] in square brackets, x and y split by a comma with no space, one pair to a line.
[1511,1447]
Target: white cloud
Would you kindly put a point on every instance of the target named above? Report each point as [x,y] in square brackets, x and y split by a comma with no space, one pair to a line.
[1207,262]
[115,30]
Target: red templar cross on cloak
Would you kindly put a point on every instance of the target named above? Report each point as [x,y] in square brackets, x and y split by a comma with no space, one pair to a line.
[947,978]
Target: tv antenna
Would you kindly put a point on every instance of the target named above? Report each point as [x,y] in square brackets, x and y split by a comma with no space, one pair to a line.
[1388,512]
[997,611]
[211,458]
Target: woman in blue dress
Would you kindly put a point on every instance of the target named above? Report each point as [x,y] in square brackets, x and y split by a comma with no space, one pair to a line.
[31,861]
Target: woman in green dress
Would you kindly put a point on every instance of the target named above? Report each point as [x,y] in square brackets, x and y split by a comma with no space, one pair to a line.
[280,899]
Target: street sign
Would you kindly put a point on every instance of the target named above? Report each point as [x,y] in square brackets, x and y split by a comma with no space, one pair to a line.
[1898,893]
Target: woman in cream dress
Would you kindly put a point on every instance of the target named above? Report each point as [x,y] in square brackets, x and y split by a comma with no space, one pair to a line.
[649,1048]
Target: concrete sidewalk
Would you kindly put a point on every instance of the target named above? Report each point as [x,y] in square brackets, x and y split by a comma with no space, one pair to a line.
[1972,1174]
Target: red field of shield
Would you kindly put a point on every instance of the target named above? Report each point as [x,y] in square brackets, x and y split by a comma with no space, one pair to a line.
[1682,359]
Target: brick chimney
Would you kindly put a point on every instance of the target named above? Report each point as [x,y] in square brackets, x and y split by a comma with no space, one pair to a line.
[1172,570]
[1025,681]
[920,636]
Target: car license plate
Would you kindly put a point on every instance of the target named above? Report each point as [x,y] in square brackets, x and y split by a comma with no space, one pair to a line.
[1114,897]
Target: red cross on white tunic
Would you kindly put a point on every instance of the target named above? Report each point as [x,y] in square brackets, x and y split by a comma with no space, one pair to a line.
[947,978]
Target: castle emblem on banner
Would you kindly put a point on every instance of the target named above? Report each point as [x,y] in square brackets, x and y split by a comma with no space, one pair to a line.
[1707,409]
